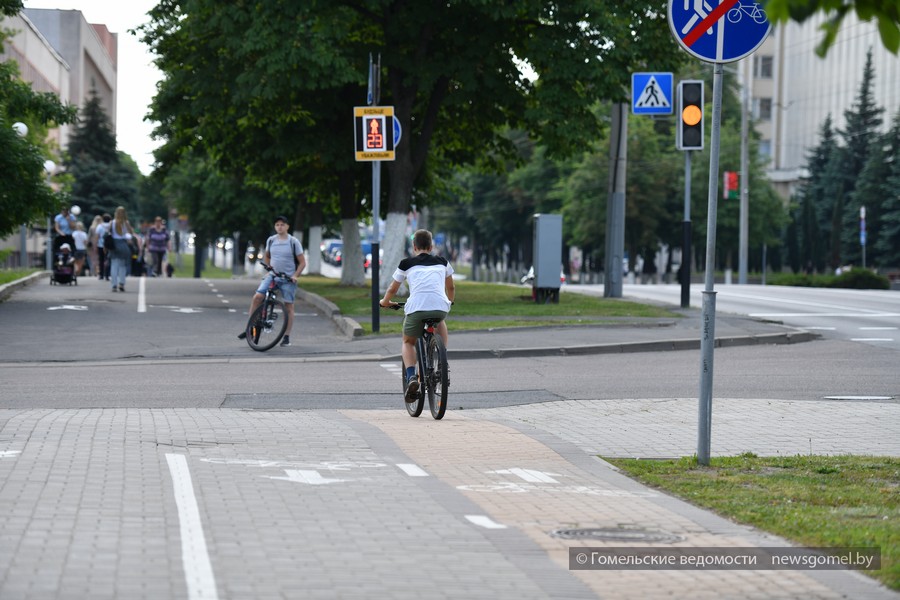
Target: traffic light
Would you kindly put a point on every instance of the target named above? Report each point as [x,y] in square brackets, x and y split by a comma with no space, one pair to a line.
[689,131]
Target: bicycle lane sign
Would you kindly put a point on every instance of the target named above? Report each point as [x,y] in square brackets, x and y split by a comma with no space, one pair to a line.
[718,34]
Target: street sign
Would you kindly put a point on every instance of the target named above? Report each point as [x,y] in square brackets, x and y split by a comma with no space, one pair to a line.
[374,132]
[651,93]
[728,32]
[398,131]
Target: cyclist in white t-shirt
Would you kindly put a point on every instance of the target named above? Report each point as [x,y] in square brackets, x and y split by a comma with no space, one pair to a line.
[431,293]
[284,253]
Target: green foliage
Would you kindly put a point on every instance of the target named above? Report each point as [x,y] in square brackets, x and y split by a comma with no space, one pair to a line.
[885,12]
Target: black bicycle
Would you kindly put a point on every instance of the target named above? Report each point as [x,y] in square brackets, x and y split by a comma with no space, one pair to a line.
[267,324]
[432,372]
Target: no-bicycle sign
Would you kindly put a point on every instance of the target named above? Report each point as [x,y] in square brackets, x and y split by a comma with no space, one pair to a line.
[723,33]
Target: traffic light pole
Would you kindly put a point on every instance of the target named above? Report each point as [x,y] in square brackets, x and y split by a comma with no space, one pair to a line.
[708,315]
[686,235]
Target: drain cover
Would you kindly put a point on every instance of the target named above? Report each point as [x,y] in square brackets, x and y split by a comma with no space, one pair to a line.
[617,534]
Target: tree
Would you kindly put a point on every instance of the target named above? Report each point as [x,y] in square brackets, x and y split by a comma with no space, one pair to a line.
[884,241]
[885,12]
[102,180]
[452,73]
[25,196]
[817,201]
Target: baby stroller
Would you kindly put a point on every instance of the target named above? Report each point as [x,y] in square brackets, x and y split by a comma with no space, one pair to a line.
[63,269]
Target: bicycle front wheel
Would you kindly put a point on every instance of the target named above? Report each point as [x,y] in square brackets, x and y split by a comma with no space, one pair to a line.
[267,325]
[437,379]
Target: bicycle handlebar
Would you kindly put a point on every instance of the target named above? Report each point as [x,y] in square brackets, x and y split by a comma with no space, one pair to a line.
[273,271]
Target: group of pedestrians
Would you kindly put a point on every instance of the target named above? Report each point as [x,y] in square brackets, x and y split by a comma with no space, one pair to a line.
[111,246]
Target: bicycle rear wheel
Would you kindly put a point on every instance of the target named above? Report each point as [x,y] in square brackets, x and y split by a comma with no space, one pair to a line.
[267,324]
[437,377]
[415,408]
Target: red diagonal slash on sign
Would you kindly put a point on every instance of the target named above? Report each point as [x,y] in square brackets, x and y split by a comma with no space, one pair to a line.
[708,22]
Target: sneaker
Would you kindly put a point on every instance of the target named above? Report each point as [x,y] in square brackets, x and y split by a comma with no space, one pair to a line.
[286,340]
[115,289]
[121,288]
[412,390]
[242,335]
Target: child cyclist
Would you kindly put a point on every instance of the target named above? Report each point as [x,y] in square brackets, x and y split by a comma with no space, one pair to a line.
[431,292]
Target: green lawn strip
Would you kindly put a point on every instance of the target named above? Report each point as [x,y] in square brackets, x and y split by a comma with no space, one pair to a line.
[186,270]
[491,299]
[394,326]
[814,501]
[10,275]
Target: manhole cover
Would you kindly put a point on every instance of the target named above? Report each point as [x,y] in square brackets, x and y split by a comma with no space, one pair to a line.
[617,534]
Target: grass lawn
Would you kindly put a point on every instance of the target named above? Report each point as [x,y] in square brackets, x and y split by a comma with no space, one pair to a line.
[186,271]
[814,501]
[488,305]
[10,275]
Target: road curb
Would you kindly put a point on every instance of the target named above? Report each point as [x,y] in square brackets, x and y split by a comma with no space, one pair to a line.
[794,337]
[346,325]
[7,289]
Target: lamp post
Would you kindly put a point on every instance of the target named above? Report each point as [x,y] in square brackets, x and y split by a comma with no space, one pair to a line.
[50,168]
[22,130]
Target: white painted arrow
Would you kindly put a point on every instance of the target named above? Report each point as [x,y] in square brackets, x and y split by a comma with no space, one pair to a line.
[310,477]
[9,453]
[529,475]
[67,307]
[188,310]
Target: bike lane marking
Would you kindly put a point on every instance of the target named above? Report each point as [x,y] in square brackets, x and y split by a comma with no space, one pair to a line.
[198,573]
[475,456]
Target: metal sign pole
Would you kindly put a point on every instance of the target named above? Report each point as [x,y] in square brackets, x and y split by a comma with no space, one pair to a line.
[686,235]
[708,316]
[374,97]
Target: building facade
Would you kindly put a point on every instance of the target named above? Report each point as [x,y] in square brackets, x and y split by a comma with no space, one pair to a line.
[792,91]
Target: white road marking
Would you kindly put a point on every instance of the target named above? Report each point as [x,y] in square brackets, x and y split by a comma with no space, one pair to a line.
[871,339]
[483,521]
[878,329]
[142,294]
[198,573]
[310,477]
[859,397]
[412,470]
[187,310]
[844,315]
[529,475]
[67,307]
[9,453]
[821,328]
[392,368]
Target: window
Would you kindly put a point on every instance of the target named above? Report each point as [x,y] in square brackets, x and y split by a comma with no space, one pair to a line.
[762,109]
[762,67]
[765,149]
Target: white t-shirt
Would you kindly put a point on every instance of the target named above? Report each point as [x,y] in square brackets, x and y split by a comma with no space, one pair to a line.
[426,276]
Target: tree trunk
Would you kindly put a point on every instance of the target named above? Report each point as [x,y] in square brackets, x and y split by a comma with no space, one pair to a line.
[352,272]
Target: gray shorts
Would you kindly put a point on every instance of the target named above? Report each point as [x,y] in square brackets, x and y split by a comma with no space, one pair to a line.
[414,323]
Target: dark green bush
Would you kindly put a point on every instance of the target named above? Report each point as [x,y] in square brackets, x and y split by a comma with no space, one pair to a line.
[856,278]
[861,279]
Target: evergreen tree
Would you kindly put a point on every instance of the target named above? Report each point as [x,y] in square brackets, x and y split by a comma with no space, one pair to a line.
[102,179]
[886,242]
[816,203]
[862,124]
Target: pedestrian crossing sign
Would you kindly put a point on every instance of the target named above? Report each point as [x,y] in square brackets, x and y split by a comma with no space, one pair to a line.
[651,93]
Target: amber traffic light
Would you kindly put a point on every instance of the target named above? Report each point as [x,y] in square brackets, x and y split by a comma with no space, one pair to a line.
[689,131]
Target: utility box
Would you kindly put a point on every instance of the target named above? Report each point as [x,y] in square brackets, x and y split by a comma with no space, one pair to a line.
[547,260]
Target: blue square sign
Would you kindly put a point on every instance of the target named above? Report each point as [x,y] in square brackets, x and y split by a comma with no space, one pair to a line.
[651,93]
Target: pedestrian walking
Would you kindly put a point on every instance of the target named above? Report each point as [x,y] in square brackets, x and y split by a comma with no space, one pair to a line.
[120,254]
[80,250]
[92,247]
[158,244]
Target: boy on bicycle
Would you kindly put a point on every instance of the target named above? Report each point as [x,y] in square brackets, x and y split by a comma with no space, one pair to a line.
[431,292]
[284,253]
